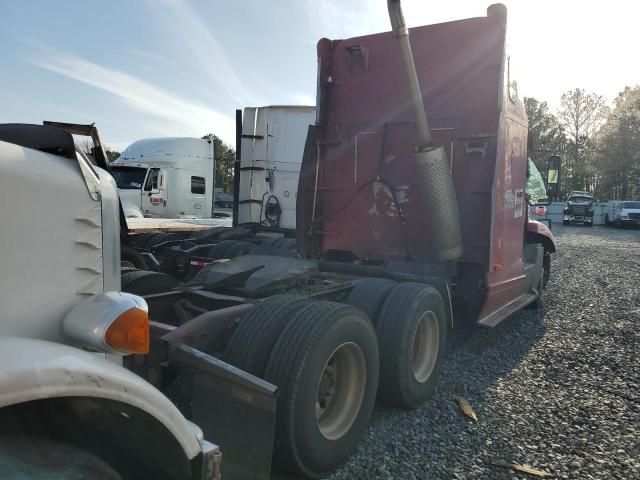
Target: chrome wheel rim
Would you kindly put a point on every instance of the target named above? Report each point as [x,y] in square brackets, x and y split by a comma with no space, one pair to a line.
[340,391]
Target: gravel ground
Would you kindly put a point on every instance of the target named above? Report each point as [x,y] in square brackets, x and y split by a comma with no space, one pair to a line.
[559,389]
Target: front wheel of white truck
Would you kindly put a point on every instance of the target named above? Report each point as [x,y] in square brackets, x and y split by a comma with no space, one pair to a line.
[39,458]
[325,364]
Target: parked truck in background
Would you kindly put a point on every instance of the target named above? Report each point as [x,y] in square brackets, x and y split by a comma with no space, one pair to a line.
[222,199]
[579,208]
[68,408]
[173,177]
[166,178]
[271,147]
[411,225]
[621,213]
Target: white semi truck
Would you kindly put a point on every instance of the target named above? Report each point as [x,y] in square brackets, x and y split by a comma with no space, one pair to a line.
[173,177]
[166,178]
[67,405]
[621,213]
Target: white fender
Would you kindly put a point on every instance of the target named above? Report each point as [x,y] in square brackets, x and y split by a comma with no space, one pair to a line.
[132,211]
[37,369]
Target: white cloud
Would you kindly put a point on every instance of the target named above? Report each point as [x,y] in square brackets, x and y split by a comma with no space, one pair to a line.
[179,16]
[182,116]
[153,56]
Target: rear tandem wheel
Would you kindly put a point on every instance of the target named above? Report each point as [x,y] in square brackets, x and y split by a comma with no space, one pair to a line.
[253,339]
[412,334]
[369,294]
[325,364]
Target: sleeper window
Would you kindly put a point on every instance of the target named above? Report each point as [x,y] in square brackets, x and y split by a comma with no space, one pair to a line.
[197,185]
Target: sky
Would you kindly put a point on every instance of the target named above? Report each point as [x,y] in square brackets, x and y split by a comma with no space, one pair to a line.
[153,68]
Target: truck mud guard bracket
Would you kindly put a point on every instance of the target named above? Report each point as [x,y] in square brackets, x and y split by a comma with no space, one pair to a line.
[234,409]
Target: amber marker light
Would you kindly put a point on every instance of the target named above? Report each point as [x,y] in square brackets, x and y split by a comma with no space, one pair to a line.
[129,332]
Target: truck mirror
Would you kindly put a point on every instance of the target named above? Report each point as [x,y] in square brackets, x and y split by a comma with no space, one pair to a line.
[553,176]
[553,170]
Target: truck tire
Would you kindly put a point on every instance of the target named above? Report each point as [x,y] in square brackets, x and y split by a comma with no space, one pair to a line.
[129,254]
[142,282]
[140,239]
[38,458]
[157,239]
[239,249]
[285,244]
[607,222]
[219,250]
[325,364]
[252,341]
[566,222]
[412,334]
[269,241]
[369,295]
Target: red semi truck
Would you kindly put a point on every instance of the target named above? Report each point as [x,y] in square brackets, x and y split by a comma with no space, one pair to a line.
[412,224]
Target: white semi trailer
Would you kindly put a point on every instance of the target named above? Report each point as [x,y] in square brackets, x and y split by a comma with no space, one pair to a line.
[166,178]
[272,145]
[68,408]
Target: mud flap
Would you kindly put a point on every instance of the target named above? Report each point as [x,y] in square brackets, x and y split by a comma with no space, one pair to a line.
[234,409]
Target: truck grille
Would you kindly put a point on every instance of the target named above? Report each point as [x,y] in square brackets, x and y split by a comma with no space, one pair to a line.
[579,210]
[635,216]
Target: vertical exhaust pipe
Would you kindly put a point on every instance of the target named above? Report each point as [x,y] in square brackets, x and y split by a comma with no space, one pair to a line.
[236,168]
[439,197]
[401,32]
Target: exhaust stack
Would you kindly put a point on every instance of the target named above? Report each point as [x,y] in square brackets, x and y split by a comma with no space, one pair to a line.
[441,206]
[401,31]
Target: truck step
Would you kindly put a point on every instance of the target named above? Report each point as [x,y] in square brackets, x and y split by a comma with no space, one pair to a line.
[495,318]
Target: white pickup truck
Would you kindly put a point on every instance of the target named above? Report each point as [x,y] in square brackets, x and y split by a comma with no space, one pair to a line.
[621,213]
[67,405]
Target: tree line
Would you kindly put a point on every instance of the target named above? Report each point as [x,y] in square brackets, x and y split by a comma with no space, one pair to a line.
[225,157]
[599,145]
